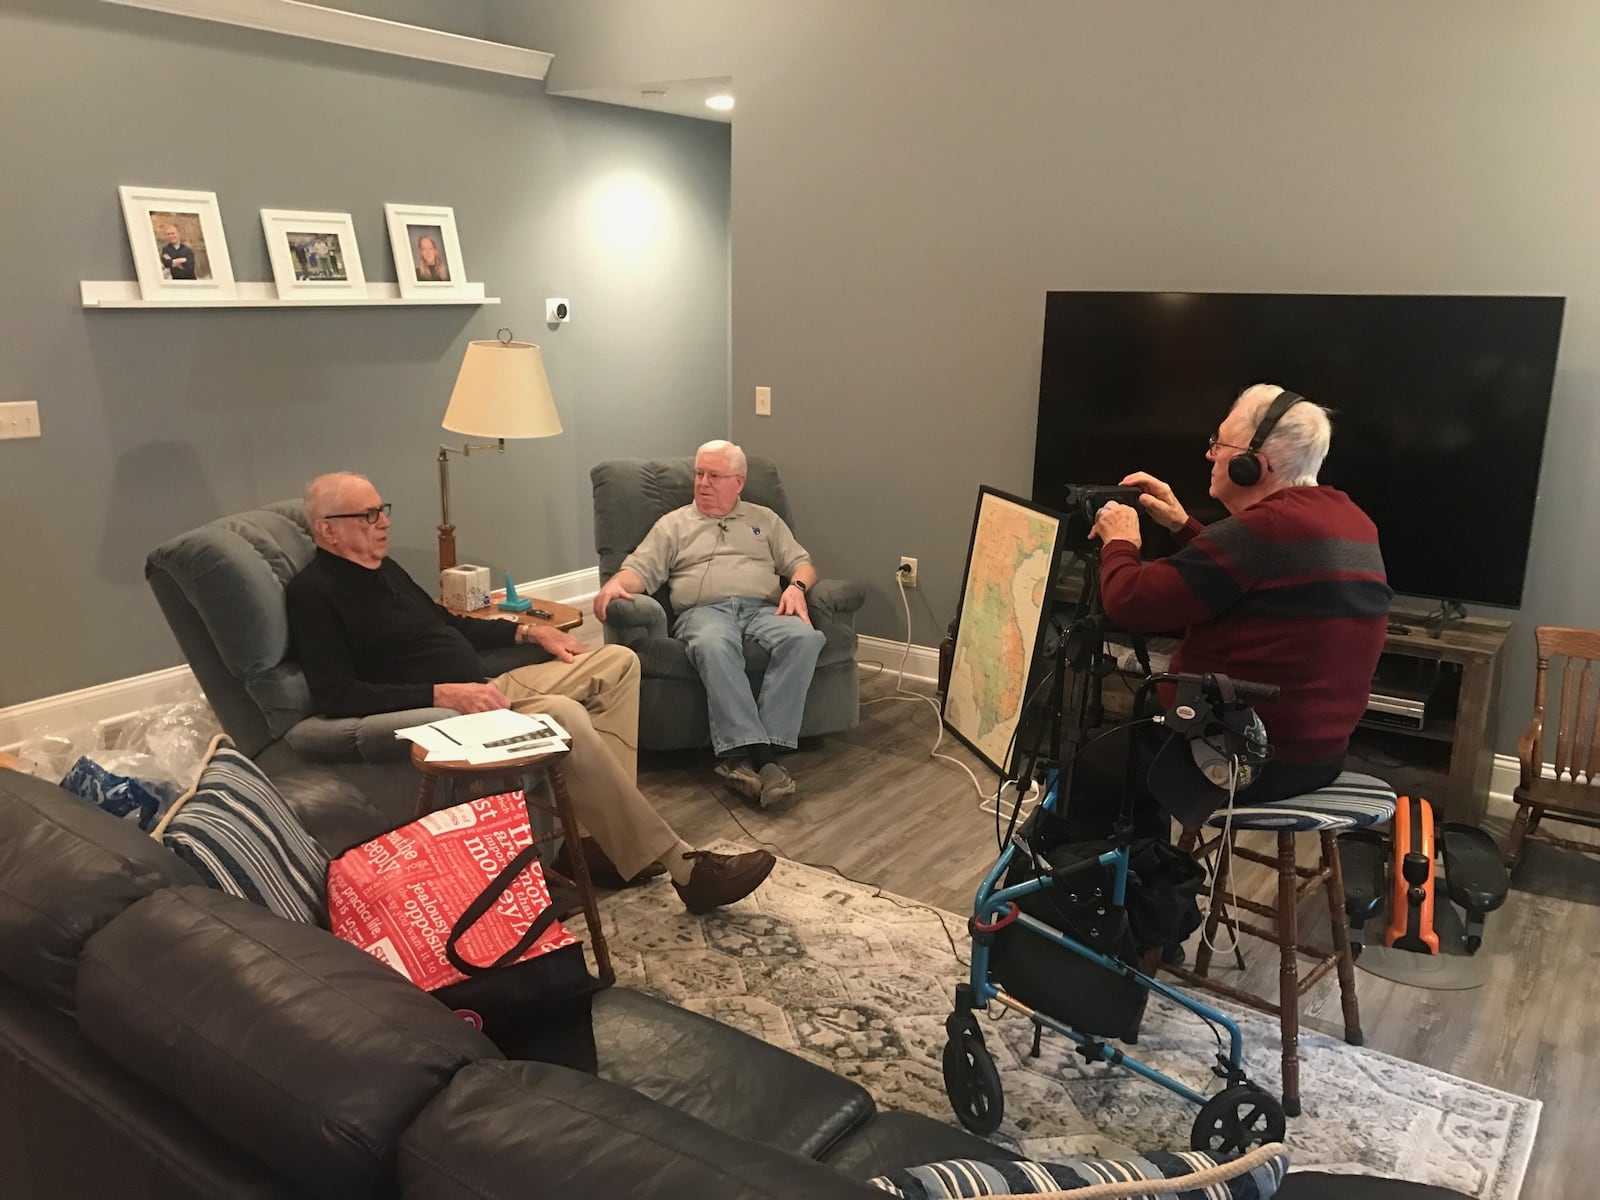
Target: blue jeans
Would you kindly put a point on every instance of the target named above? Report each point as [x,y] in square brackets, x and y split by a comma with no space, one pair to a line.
[714,635]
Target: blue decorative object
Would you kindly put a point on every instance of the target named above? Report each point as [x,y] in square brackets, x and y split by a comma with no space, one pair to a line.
[513,602]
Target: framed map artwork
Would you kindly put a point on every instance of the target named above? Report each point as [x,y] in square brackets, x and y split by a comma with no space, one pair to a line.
[1005,601]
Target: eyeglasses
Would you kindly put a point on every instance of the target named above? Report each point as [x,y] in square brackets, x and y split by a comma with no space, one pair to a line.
[714,476]
[1212,443]
[369,515]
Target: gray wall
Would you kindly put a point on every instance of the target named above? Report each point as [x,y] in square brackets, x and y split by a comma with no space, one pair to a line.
[911,176]
[157,421]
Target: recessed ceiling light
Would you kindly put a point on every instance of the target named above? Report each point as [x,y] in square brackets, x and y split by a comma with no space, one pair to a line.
[722,103]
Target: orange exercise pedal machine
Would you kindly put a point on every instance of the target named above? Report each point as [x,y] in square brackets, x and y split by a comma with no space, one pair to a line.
[1411,881]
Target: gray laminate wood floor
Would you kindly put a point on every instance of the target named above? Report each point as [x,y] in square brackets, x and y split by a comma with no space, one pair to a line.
[874,805]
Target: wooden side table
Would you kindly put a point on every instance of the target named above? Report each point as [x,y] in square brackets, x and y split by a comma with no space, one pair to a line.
[510,776]
[562,616]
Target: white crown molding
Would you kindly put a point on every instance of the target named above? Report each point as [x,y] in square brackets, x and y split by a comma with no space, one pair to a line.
[295,18]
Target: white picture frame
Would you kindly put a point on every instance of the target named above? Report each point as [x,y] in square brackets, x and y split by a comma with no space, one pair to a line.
[410,227]
[314,254]
[153,215]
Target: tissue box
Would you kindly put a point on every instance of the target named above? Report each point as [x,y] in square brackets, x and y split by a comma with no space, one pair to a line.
[464,587]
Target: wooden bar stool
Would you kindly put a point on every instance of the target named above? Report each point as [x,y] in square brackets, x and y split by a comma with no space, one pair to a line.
[1350,802]
[512,776]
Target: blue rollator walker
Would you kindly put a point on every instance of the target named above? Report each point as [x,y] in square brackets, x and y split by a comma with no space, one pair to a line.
[1081,978]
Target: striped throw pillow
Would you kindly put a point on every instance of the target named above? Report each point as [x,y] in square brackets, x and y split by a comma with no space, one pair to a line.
[1189,1175]
[236,831]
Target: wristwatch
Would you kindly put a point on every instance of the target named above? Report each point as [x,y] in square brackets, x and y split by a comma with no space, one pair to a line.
[795,583]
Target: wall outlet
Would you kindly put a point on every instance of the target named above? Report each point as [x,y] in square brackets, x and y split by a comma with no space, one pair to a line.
[763,402]
[19,419]
[908,571]
[557,312]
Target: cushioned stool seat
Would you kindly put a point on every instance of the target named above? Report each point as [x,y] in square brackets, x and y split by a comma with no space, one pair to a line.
[1351,801]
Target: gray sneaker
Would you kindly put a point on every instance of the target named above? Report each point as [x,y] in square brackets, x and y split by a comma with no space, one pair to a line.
[739,775]
[777,785]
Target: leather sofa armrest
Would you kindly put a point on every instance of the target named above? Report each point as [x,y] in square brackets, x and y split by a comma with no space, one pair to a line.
[359,739]
[636,619]
[335,811]
[593,1138]
[838,599]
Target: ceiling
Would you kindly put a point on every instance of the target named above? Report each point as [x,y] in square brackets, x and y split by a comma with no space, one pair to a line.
[681,97]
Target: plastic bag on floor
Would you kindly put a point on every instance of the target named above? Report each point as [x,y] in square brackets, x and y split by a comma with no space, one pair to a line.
[121,791]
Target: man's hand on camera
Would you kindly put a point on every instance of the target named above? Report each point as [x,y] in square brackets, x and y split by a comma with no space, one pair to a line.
[1158,501]
[1116,523]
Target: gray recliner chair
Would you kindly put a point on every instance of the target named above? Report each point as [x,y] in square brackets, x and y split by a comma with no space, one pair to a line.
[630,495]
[221,588]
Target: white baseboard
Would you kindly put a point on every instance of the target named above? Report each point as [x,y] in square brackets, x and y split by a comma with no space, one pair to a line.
[100,707]
[107,704]
[922,663]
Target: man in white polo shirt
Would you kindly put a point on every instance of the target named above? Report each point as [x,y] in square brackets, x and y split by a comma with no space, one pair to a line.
[723,557]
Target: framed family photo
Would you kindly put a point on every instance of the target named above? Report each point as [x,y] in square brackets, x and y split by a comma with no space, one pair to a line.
[313,254]
[427,253]
[179,251]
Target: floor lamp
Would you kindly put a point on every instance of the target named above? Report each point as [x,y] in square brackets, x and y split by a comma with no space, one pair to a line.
[501,392]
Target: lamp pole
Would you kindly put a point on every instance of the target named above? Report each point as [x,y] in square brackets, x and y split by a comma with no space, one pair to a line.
[447,531]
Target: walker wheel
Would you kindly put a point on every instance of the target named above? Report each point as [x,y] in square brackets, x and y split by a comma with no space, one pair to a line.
[973,1084]
[1237,1118]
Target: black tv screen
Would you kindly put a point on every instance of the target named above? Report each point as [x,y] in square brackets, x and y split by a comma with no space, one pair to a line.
[1439,410]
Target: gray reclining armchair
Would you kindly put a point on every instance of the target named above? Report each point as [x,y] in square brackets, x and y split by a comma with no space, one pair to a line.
[629,496]
[221,589]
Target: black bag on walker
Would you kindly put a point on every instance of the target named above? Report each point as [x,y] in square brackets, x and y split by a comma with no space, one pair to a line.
[1158,911]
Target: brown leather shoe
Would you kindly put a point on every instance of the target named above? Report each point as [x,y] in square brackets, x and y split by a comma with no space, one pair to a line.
[603,872]
[719,879]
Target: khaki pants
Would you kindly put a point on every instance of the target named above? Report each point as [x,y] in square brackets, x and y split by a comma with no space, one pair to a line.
[596,699]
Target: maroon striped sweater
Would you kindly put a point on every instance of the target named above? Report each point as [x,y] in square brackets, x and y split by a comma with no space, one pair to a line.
[1290,591]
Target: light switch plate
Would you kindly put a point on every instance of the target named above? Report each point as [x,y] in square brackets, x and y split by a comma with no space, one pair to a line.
[763,402]
[19,419]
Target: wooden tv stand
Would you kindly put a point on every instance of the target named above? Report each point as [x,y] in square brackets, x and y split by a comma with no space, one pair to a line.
[1450,759]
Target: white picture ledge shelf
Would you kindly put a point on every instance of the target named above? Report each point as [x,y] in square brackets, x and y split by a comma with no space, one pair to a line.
[124,293]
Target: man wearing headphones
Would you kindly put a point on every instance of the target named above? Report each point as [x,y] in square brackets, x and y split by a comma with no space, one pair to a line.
[1288,589]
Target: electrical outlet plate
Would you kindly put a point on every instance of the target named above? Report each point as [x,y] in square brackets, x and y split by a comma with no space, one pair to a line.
[909,577]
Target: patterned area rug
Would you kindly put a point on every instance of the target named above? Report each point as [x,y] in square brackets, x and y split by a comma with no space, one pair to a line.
[860,982]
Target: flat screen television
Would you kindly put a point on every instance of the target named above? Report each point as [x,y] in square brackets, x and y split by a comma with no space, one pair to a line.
[1439,410]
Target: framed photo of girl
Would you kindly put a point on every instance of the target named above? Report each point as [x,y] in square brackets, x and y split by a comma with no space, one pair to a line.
[427,253]
[179,251]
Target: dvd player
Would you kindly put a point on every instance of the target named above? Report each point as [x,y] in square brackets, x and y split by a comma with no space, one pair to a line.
[1406,709]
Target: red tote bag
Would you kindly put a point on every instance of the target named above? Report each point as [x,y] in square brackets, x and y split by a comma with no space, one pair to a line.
[457,902]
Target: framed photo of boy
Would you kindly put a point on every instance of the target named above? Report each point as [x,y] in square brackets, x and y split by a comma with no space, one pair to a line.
[427,253]
[179,251]
[313,254]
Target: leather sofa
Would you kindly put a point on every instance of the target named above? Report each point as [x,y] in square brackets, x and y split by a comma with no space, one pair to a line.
[162,1041]
[630,495]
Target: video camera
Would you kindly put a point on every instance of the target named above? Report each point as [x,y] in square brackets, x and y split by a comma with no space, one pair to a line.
[1082,504]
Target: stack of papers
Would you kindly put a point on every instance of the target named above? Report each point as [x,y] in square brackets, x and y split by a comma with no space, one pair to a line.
[488,737]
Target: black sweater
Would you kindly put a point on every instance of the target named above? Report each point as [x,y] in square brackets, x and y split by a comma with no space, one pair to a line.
[370,640]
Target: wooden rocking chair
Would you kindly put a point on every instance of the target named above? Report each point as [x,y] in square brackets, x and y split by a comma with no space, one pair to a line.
[1573,793]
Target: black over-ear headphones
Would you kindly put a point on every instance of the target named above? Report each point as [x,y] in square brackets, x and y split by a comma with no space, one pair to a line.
[1245,468]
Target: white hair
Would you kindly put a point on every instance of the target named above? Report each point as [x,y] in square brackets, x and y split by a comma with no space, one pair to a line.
[325,494]
[736,458]
[1298,442]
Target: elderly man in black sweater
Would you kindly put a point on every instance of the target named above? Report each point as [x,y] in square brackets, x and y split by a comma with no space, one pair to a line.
[370,640]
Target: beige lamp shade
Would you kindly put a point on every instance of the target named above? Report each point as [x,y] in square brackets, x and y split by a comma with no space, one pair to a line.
[501,392]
